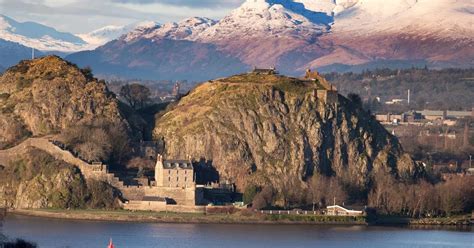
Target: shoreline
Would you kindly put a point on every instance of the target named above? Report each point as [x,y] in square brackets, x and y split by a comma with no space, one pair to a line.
[244,219]
[173,218]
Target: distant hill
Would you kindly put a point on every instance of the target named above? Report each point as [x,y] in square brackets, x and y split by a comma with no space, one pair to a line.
[105,34]
[12,52]
[39,36]
[350,35]
[159,59]
[430,89]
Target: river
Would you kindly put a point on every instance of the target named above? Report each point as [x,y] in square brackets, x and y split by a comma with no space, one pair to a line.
[68,233]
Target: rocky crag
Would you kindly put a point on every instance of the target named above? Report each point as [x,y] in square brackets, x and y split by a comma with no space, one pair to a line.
[266,129]
[42,98]
[47,95]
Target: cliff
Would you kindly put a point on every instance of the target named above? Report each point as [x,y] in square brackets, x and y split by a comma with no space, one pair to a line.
[35,179]
[267,129]
[47,95]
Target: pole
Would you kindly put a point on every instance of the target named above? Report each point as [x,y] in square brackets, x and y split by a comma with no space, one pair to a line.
[408,97]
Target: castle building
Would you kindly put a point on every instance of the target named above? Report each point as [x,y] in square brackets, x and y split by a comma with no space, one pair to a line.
[175,180]
[174,173]
[328,94]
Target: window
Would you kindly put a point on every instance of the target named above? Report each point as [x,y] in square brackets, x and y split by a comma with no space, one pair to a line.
[185,179]
[169,179]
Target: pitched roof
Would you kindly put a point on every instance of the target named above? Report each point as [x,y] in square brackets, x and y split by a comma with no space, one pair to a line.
[348,208]
[174,164]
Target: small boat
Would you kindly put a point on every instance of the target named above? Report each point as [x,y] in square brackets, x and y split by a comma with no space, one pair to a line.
[111,244]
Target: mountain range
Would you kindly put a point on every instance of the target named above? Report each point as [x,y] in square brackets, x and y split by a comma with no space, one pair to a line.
[293,35]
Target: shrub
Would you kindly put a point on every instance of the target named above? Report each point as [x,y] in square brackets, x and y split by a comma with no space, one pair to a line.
[18,243]
[23,83]
[102,195]
[249,193]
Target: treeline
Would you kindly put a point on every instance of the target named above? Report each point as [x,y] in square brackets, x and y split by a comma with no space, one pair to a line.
[430,89]
[455,195]
[97,141]
[387,195]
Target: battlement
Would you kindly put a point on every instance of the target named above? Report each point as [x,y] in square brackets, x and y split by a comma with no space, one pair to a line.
[328,94]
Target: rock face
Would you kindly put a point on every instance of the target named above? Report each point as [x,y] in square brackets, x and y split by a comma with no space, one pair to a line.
[46,95]
[35,180]
[266,129]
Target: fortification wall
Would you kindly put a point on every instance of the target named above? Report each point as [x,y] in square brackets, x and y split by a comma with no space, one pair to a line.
[181,196]
[327,96]
[159,206]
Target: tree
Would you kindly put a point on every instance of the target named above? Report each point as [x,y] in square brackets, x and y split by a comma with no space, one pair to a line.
[98,140]
[249,193]
[264,198]
[291,190]
[355,99]
[316,190]
[136,95]
[87,71]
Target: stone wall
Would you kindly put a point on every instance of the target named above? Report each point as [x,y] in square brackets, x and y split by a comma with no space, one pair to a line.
[327,96]
[182,196]
[159,206]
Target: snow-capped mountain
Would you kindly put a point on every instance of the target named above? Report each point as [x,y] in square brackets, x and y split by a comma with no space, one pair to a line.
[105,34]
[183,30]
[39,36]
[328,34]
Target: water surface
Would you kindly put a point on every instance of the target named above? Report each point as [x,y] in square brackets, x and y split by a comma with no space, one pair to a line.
[69,233]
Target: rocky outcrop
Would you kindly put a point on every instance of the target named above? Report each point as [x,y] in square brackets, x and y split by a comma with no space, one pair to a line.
[262,130]
[35,179]
[46,95]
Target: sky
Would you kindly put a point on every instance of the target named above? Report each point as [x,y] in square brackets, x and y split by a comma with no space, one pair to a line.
[82,16]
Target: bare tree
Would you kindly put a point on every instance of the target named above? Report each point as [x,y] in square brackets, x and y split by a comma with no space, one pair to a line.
[136,95]
[264,198]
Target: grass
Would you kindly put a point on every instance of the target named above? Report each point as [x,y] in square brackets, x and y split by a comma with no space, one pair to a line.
[148,216]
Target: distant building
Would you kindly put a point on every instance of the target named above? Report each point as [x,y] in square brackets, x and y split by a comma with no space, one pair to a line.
[411,116]
[176,89]
[265,71]
[337,210]
[396,101]
[443,114]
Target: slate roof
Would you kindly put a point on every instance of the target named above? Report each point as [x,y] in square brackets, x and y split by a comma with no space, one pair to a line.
[173,164]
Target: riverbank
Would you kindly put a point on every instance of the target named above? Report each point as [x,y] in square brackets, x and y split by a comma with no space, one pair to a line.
[460,220]
[241,217]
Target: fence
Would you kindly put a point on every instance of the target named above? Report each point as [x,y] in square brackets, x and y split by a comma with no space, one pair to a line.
[290,212]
